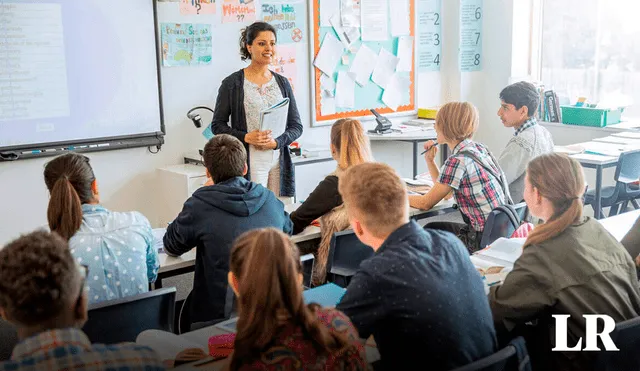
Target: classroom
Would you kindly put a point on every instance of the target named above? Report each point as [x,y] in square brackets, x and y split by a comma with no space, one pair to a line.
[319,184]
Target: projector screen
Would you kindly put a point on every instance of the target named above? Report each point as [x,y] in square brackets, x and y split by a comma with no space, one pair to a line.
[75,72]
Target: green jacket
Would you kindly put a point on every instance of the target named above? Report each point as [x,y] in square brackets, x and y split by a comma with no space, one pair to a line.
[584,270]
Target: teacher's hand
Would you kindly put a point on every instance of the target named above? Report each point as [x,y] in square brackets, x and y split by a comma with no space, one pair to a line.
[271,145]
[258,138]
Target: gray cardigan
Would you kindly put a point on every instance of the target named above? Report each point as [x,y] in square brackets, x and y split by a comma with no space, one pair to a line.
[521,149]
[230,108]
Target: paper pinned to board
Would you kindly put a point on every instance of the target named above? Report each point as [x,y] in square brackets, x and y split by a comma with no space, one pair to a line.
[345,90]
[328,8]
[348,35]
[350,11]
[328,106]
[329,54]
[363,64]
[400,18]
[374,20]
[405,53]
[385,67]
[394,92]
[327,84]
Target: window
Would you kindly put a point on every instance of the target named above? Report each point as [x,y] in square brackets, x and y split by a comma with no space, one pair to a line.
[591,48]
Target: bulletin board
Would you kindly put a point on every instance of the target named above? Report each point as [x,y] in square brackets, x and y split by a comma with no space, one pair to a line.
[370,95]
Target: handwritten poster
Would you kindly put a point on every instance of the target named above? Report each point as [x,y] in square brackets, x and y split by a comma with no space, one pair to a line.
[429,35]
[185,44]
[284,63]
[470,52]
[190,7]
[238,11]
[289,20]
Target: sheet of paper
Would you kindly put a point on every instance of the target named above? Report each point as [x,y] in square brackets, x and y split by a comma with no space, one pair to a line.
[185,44]
[429,30]
[289,20]
[363,64]
[327,10]
[327,84]
[400,17]
[507,249]
[348,35]
[190,7]
[284,63]
[374,20]
[158,235]
[275,118]
[350,11]
[345,90]
[393,94]
[166,344]
[470,50]
[329,55]
[405,53]
[237,11]
[385,67]
[328,106]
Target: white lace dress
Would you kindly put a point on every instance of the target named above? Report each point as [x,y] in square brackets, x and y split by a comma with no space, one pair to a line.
[264,165]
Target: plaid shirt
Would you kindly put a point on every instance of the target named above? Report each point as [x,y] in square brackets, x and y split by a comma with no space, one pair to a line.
[476,191]
[531,121]
[70,349]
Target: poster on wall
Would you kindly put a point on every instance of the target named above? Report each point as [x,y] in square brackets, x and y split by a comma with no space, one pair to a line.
[284,63]
[289,20]
[195,7]
[429,35]
[470,52]
[243,11]
[185,44]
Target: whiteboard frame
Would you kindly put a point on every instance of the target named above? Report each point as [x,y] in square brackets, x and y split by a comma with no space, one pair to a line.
[312,72]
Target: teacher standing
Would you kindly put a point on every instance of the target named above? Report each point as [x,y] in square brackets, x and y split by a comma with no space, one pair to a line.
[243,95]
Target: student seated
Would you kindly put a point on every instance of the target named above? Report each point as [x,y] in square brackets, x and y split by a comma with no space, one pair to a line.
[569,265]
[117,246]
[42,293]
[518,107]
[471,171]
[419,295]
[275,329]
[213,217]
[349,147]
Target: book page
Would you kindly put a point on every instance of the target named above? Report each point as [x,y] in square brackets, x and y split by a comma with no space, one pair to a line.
[506,249]
[166,344]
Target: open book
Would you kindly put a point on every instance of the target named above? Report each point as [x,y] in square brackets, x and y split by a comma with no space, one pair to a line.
[274,118]
[166,344]
[498,257]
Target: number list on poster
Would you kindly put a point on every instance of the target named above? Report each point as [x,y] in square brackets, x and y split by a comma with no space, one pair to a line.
[470,54]
[429,35]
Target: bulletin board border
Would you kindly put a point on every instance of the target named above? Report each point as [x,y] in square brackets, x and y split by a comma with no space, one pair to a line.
[322,120]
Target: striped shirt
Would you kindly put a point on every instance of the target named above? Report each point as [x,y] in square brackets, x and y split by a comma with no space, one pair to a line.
[70,349]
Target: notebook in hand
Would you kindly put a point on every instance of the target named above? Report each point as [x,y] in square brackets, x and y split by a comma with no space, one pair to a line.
[274,118]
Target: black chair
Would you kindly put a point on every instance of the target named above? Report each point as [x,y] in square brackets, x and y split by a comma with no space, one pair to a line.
[627,172]
[626,337]
[502,222]
[506,359]
[121,320]
[8,339]
[346,252]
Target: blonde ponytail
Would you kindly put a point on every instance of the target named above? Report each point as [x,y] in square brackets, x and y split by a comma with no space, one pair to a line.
[560,179]
[347,136]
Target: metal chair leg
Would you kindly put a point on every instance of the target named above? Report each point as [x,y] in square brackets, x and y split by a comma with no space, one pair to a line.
[635,204]
[613,210]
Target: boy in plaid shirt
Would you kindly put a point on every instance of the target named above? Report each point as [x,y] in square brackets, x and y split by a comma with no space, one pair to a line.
[471,172]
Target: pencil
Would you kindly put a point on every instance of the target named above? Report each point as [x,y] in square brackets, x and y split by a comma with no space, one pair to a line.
[434,144]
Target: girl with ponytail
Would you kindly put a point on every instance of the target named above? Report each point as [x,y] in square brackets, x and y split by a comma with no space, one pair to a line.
[275,329]
[349,147]
[570,265]
[117,247]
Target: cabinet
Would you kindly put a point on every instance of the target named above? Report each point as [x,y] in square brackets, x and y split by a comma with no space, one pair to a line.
[176,183]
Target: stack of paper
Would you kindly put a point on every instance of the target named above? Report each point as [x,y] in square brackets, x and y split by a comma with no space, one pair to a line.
[158,235]
[499,256]
[274,118]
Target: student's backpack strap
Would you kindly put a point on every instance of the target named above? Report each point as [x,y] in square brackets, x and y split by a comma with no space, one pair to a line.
[511,213]
[499,177]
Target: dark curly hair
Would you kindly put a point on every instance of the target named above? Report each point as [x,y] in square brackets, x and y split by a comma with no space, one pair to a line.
[37,272]
[250,33]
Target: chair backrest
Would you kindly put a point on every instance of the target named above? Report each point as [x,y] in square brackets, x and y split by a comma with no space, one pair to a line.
[8,339]
[628,168]
[626,337]
[346,252]
[506,359]
[502,222]
[121,320]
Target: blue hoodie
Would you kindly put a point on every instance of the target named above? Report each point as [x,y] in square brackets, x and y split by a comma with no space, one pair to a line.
[211,219]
